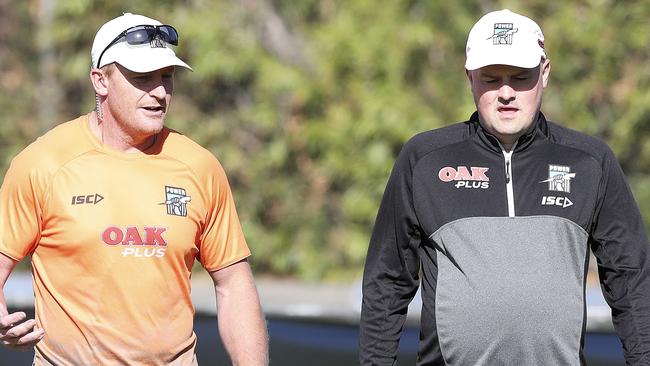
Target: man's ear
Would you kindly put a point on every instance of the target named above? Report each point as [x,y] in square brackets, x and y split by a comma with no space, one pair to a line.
[546,71]
[99,81]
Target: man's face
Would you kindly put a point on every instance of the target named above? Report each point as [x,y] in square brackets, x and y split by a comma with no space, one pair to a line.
[138,102]
[508,98]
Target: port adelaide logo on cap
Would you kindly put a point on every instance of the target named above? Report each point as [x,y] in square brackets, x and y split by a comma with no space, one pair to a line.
[503,33]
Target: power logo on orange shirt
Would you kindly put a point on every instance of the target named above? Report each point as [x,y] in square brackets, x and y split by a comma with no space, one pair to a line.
[136,242]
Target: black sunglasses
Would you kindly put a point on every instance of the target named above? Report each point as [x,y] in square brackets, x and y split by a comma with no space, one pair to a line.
[141,34]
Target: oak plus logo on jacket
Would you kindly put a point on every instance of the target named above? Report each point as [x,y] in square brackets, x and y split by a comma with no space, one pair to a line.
[559,180]
[464,177]
[146,242]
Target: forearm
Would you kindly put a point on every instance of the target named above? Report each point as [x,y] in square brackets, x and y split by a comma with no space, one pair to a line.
[241,323]
[3,304]
[6,267]
[16,331]
[381,324]
[243,330]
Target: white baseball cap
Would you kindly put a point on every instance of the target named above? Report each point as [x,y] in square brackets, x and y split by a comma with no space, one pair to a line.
[144,57]
[504,38]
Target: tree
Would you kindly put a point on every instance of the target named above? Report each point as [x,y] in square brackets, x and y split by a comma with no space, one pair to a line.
[308,103]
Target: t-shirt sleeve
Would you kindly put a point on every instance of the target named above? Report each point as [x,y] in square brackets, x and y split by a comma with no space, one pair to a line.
[222,242]
[20,209]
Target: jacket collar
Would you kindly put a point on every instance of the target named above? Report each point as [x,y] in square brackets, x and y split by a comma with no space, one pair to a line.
[540,130]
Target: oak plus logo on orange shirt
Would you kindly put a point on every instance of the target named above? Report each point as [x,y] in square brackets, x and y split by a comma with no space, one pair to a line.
[135,242]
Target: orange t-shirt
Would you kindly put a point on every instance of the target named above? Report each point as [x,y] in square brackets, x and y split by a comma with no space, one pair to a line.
[113,238]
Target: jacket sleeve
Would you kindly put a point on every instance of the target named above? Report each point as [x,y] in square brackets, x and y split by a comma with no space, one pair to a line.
[390,278]
[620,244]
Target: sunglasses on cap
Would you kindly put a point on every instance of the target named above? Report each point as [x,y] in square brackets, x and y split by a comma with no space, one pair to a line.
[141,34]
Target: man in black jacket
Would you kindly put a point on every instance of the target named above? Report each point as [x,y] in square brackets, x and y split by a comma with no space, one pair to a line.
[494,217]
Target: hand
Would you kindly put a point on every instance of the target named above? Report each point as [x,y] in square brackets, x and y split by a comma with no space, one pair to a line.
[18,333]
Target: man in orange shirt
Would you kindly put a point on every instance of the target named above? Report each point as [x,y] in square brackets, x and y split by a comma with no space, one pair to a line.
[114,208]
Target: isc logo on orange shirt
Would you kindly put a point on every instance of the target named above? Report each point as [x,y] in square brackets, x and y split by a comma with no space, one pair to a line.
[137,243]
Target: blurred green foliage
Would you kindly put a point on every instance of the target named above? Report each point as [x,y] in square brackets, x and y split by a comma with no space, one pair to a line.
[307,103]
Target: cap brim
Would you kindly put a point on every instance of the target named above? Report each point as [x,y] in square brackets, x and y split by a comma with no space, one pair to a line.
[526,60]
[523,62]
[142,58]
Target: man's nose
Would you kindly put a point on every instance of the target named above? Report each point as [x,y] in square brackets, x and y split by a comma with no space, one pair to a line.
[158,91]
[506,92]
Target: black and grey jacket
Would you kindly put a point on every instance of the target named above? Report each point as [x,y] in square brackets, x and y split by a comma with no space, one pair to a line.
[501,242]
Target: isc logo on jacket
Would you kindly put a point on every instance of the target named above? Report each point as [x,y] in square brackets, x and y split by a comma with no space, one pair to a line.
[472,177]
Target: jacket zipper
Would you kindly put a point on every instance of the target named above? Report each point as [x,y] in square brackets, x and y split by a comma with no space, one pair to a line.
[509,189]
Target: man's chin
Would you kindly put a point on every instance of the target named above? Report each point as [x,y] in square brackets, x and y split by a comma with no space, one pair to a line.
[152,124]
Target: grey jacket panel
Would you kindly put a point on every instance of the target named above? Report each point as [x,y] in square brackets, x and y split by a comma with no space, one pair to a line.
[510,291]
